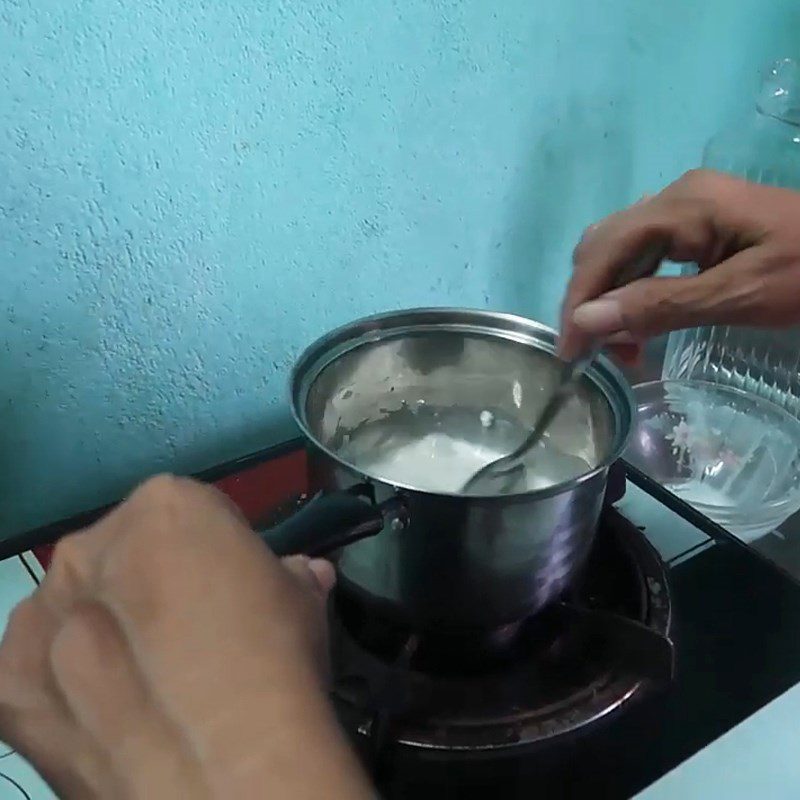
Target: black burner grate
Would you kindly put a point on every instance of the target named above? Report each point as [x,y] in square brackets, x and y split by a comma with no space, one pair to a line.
[518,687]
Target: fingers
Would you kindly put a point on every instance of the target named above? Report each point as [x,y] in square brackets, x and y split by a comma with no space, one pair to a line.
[730,294]
[316,575]
[684,222]
[115,658]
[23,651]
[107,698]
[34,716]
[628,352]
[105,694]
[316,578]
[744,231]
[197,595]
[178,546]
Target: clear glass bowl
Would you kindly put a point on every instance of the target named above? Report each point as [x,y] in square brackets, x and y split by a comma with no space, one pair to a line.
[730,454]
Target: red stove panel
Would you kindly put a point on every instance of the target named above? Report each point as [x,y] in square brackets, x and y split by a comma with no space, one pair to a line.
[257,490]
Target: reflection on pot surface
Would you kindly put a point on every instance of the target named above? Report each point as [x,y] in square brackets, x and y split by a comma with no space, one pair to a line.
[400,410]
[400,414]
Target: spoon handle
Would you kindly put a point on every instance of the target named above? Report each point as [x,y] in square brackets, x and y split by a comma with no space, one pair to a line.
[646,263]
[643,265]
[571,373]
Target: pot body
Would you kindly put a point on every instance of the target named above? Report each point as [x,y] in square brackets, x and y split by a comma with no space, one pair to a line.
[453,560]
[466,562]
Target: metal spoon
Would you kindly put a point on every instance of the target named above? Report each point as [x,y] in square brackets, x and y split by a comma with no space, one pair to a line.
[502,475]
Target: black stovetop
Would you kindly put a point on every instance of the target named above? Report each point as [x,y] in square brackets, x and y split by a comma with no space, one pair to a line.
[733,623]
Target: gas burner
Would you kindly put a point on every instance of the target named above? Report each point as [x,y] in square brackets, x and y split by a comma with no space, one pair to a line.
[517,687]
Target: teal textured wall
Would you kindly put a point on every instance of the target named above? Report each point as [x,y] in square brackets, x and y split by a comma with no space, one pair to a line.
[190,192]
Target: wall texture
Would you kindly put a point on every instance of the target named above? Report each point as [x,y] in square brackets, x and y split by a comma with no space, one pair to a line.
[190,192]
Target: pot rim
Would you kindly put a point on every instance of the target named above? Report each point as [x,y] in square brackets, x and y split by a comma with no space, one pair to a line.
[330,346]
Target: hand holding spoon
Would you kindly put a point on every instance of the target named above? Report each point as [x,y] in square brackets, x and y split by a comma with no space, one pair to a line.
[504,475]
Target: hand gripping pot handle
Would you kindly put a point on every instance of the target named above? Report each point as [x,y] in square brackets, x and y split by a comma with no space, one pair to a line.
[329,522]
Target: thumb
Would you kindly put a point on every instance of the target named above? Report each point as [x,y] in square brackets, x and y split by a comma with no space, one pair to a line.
[721,295]
[315,574]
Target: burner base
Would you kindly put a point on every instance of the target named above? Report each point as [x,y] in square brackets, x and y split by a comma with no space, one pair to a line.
[557,673]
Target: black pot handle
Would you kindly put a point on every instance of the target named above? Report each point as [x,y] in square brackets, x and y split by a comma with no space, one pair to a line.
[615,483]
[328,522]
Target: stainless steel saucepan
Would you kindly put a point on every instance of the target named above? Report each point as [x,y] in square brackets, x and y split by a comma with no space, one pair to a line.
[399,410]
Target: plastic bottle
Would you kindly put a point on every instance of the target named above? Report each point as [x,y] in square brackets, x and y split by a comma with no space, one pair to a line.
[765,148]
